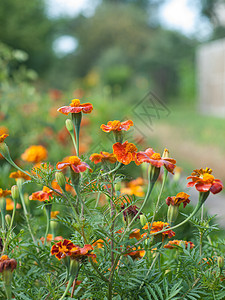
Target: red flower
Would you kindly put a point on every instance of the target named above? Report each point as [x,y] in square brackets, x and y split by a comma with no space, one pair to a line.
[117,126]
[125,153]
[45,195]
[178,199]
[155,159]
[79,253]
[75,107]
[74,163]
[7,264]
[62,249]
[176,243]
[103,157]
[159,226]
[204,181]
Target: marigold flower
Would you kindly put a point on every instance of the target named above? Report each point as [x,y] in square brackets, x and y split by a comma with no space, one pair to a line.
[10,204]
[204,181]
[117,126]
[133,190]
[45,195]
[75,107]
[99,244]
[103,157]
[54,214]
[69,188]
[4,193]
[74,163]
[50,238]
[78,253]
[178,199]
[131,211]
[35,154]
[3,137]
[135,234]
[18,175]
[136,253]
[158,226]
[175,243]
[3,130]
[125,153]
[7,264]
[155,159]
[62,249]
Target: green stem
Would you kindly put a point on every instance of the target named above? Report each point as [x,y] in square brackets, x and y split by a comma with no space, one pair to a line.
[48,208]
[70,282]
[8,291]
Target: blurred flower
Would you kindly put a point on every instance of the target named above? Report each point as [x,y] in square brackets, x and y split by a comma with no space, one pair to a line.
[158,226]
[117,126]
[55,94]
[76,107]
[62,249]
[135,234]
[178,199]
[50,238]
[69,188]
[175,243]
[136,253]
[130,212]
[10,204]
[35,154]
[78,93]
[99,244]
[45,195]
[3,137]
[204,181]
[155,159]
[40,168]
[125,153]
[18,175]
[4,193]
[54,214]
[77,253]
[74,163]
[63,136]
[3,130]
[103,157]
[7,264]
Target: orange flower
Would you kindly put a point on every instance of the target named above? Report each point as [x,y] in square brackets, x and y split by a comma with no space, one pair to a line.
[125,153]
[136,253]
[178,199]
[3,130]
[135,234]
[54,214]
[204,181]
[103,157]
[69,188]
[62,249]
[7,264]
[35,154]
[158,226]
[50,238]
[177,243]
[10,204]
[4,193]
[99,244]
[133,190]
[3,137]
[75,107]
[45,195]
[117,126]
[79,253]
[74,163]
[18,174]
[155,159]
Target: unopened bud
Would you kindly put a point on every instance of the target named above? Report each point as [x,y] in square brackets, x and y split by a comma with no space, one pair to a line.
[143,219]
[8,220]
[19,183]
[172,214]
[60,178]
[69,125]
[220,262]
[15,192]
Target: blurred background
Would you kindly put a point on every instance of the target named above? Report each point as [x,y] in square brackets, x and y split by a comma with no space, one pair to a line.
[149,60]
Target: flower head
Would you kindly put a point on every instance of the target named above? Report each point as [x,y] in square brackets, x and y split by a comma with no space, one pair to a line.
[136,253]
[117,126]
[35,154]
[158,226]
[4,193]
[75,107]
[129,212]
[62,249]
[204,181]
[125,153]
[45,195]
[155,159]
[7,264]
[3,137]
[54,214]
[178,243]
[18,175]
[103,157]
[178,199]
[74,163]
[78,253]
[10,204]
[99,244]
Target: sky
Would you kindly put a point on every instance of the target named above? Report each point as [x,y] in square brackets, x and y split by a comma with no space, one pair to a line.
[174,14]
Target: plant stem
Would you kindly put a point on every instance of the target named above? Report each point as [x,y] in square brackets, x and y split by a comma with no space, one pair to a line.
[48,208]
[68,287]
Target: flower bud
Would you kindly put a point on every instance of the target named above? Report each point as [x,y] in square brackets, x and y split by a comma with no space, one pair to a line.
[15,192]
[165,153]
[172,214]
[143,219]
[69,125]
[220,262]
[8,219]
[60,178]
